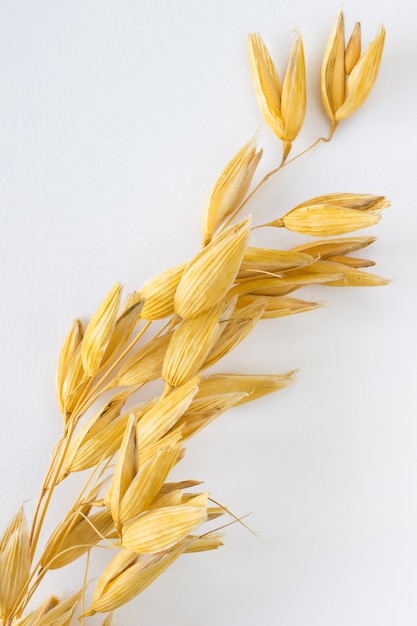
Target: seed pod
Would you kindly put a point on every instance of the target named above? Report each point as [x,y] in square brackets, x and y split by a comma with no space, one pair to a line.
[279,306]
[323,220]
[61,614]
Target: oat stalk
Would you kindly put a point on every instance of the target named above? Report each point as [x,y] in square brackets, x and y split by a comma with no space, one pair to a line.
[210,304]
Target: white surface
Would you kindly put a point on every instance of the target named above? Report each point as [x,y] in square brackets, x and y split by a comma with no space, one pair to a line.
[115,120]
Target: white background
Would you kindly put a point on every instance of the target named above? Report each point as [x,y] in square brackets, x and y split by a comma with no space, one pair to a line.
[115,120]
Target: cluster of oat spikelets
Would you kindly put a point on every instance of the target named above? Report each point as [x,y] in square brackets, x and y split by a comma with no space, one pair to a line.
[211,303]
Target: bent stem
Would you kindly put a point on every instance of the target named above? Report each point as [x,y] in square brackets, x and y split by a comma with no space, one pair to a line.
[274,171]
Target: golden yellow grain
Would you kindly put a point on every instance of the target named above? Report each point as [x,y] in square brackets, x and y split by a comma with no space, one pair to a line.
[129,316]
[127,576]
[162,528]
[60,615]
[353,49]
[230,189]
[333,69]
[164,413]
[343,97]
[242,323]
[14,563]
[253,386]
[75,535]
[208,277]
[280,306]
[145,364]
[148,482]
[203,411]
[68,350]
[191,343]
[324,220]
[99,331]
[159,293]
[362,77]
[338,246]
[125,470]
[283,107]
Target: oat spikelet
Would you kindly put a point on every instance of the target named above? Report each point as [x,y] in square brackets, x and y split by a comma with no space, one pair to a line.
[78,532]
[164,527]
[324,220]
[283,108]
[125,324]
[127,576]
[61,614]
[363,77]
[14,563]
[145,364]
[148,481]
[190,345]
[341,98]
[125,470]
[208,277]
[66,356]
[163,414]
[159,293]
[230,189]
[338,246]
[99,331]
[333,69]
[279,306]
[254,386]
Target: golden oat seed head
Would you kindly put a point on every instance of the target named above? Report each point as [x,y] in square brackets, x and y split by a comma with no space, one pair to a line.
[322,220]
[230,188]
[99,331]
[159,293]
[333,69]
[191,343]
[266,83]
[66,356]
[127,576]
[293,98]
[164,413]
[362,77]
[14,563]
[208,277]
[162,528]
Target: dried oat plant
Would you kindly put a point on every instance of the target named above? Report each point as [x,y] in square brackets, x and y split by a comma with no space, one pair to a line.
[209,304]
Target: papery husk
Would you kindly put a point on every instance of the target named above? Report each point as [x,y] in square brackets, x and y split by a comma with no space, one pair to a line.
[99,331]
[162,528]
[253,386]
[209,276]
[127,576]
[191,343]
[144,365]
[230,189]
[68,350]
[159,293]
[164,413]
[75,535]
[15,563]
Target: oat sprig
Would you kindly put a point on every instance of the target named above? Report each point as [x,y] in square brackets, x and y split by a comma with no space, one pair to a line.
[128,443]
